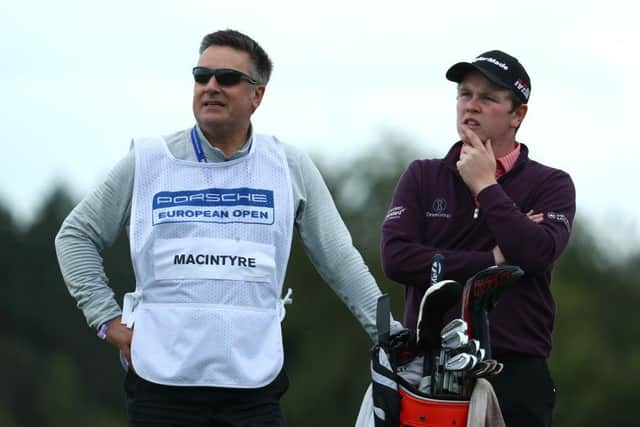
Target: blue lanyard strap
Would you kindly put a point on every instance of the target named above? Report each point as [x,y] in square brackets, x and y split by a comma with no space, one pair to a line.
[197,145]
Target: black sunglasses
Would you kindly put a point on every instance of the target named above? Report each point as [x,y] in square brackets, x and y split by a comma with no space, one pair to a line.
[224,76]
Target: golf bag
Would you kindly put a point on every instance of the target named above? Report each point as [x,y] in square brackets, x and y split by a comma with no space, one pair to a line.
[396,396]
[426,378]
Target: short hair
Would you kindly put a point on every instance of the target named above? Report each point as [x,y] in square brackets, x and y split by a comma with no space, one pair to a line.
[260,61]
[516,102]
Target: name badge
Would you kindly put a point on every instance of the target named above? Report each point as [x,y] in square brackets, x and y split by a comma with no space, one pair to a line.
[202,258]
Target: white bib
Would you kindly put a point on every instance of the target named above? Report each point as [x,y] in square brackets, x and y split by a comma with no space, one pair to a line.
[210,244]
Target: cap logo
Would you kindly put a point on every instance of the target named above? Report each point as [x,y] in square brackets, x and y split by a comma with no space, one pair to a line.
[522,87]
[493,61]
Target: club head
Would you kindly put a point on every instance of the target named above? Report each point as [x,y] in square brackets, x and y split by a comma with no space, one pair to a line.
[455,324]
[461,361]
[486,369]
[495,371]
[454,340]
[473,361]
[448,331]
[492,363]
[488,285]
[471,347]
[481,368]
[437,300]
[480,295]
[480,353]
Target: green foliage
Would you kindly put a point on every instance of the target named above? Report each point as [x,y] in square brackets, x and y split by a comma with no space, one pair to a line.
[56,373]
[363,192]
[50,362]
[595,356]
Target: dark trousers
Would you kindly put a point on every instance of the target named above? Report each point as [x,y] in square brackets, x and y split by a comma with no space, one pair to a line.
[525,391]
[150,404]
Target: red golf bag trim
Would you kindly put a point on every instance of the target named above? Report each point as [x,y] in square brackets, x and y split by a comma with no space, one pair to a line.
[398,403]
[417,410]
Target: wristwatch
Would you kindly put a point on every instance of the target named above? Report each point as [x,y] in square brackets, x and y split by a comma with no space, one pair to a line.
[102,331]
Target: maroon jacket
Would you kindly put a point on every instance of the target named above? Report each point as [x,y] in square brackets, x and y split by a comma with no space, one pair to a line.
[432,211]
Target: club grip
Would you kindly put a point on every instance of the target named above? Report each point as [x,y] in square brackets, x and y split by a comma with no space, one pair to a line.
[437,268]
[383,315]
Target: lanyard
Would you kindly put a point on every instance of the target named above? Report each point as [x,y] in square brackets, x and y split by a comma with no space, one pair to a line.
[197,145]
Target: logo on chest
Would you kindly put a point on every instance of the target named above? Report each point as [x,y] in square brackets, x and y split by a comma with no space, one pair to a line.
[438,209]
[214,205]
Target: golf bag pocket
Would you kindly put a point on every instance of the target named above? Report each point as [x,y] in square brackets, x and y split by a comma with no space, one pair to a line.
[418,410]
[397,402]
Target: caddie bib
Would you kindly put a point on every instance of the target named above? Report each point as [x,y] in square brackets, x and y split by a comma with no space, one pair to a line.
[209,245]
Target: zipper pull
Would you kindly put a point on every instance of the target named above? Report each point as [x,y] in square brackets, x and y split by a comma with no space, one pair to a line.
[475,213]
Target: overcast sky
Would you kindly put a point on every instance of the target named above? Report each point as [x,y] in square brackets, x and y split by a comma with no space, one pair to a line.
[79,79]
